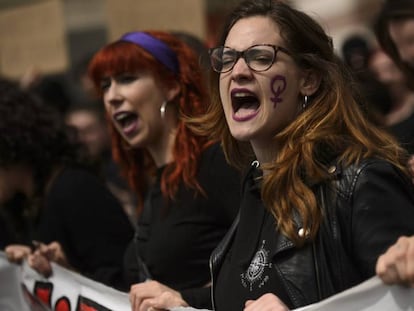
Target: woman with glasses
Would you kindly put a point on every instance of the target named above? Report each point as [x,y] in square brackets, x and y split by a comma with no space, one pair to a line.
[151,83]
[325,192]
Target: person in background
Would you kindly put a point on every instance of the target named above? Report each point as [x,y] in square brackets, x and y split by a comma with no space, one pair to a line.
[72,217]
[377,102]
[198,46]
[356,50]
[394,29]
[325,191]
[151,84]
[9,233]
[399,118]
[90,124]
[51,88]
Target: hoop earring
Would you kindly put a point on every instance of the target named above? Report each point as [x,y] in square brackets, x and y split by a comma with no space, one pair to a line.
[305,102]
[163,108]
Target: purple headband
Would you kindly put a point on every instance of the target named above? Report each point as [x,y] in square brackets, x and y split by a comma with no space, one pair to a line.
[157,48]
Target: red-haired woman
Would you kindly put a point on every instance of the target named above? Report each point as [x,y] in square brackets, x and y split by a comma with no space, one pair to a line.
[188,196]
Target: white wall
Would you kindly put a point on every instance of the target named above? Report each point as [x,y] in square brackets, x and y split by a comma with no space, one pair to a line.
[341,18]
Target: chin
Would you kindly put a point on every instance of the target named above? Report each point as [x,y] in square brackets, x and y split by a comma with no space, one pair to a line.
[136,145]
[134,141]
[241,136]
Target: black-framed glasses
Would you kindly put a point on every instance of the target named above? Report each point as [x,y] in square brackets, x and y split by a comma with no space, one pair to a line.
[258,57]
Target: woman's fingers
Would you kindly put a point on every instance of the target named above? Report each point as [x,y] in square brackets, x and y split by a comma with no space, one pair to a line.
[40,263]
[16,253]
[396,265]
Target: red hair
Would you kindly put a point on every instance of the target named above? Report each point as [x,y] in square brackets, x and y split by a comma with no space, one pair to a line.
[192,101]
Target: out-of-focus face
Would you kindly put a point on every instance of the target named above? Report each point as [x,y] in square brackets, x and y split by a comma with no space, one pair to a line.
[92,130]
[402,34]
[385,69]
[15,179]
[133,101]
[257,105]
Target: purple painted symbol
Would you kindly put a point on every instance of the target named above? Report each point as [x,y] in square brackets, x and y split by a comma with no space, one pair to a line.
[278,86]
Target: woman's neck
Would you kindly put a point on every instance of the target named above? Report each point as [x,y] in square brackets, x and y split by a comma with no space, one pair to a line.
[265,153]
[162,152]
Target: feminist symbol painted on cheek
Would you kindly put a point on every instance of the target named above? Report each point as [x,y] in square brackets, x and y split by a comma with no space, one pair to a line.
[278,86]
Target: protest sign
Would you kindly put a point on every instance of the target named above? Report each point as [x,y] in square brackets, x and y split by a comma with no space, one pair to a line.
[22,289]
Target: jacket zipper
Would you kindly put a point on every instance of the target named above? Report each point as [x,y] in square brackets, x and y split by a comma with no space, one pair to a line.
[212,284]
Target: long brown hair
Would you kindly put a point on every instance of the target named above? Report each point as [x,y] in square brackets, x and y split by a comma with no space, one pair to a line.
[332,126]
[192,101]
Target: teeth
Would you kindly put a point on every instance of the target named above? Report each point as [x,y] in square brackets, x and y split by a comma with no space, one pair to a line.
[120,116]
[243,94]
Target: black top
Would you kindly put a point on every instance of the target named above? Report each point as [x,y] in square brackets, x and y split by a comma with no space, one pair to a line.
[175,240]
[15,227]
[366,207]
[7,234]
[404,132]
[247,268]
[88,221]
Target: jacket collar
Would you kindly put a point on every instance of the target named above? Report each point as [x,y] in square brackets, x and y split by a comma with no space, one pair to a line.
[252,218]
[252,213]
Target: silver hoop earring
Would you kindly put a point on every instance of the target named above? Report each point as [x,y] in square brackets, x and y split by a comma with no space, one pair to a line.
[305,102]
[162,109]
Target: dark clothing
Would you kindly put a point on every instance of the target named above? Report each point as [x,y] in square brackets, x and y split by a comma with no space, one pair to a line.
[15,227]
[84,216]
[366,208]
[404,132]
[7,234]
[175,240]
[247,268]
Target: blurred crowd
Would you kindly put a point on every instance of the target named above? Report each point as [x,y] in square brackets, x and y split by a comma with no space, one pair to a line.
[110,170]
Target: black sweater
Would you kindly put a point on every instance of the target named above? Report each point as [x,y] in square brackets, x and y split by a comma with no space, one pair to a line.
[176,239]
[88,221]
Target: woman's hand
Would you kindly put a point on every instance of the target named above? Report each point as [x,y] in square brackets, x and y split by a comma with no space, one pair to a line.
[45,253]
[154,296]
[396,265]
[40,263]
[267,302]
[17,253]
[39,259]
[54,252]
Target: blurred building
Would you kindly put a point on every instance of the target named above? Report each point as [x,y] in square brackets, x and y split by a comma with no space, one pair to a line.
[53,35]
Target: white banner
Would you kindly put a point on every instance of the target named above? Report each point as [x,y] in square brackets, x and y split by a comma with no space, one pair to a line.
[372,295]
[22,289]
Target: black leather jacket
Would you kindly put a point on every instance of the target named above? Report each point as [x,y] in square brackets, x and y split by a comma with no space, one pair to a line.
[366,208]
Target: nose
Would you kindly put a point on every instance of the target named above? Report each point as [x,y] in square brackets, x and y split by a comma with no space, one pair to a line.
[241,70]
[112,95]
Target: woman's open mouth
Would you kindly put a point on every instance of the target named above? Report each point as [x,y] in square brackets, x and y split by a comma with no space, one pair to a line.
[127,121]
[245,105]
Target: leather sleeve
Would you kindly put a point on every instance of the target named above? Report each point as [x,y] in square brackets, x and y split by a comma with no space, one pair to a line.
[382,204]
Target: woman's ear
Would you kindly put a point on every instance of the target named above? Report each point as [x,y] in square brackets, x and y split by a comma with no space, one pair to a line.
[310,82]
[172,91]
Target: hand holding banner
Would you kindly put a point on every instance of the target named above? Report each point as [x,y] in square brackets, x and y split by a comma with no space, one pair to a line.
[66,290]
